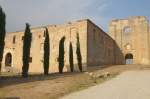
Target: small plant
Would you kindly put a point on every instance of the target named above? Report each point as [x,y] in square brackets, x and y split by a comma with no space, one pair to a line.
[78,52]
[46,53]
[61,54]
[71,57]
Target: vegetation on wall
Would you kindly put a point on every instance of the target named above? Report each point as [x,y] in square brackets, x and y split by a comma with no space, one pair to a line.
[46,53]
[2,34]
[71,57]
[26,50]
[61,54]
[78,52]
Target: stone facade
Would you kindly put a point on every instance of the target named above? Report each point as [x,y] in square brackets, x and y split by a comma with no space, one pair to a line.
[132,39]
[128,43]
[95,47]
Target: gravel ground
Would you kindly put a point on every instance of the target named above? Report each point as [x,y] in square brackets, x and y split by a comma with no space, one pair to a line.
[127,85]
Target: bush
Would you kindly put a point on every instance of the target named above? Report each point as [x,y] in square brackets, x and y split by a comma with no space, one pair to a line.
[78,52]
[61,54]
[46,53]
[2,34]
[71,57]
[26,50]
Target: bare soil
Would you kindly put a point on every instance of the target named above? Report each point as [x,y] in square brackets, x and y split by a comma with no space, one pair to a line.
[54,86]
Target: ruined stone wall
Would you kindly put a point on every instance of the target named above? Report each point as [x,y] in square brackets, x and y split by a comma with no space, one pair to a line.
[135,41]
[56,33]
[100,46]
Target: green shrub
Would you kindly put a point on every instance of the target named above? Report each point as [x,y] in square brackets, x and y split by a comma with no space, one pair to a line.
[78,52]
[46,53]
[26,50]
[61,54]
[71,57]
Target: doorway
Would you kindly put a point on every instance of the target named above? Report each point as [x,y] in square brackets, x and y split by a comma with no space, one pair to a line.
[129,59]
[8,59]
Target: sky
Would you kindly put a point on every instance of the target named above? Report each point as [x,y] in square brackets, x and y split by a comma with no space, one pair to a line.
[58,12]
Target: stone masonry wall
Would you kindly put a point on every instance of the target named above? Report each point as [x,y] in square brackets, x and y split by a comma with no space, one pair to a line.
[135,41]
[56,33]
[100,46]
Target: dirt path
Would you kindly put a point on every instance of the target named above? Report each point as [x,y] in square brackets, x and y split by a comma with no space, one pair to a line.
[128,85]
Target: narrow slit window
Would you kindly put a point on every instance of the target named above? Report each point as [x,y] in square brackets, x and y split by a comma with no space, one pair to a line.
[14,40]
[44,35]
[22,37]
[30,59]
[31,37]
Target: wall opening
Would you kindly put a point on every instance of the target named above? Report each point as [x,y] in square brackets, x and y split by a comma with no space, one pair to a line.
[14,40]
[129,59]
[8,59]
[127,30]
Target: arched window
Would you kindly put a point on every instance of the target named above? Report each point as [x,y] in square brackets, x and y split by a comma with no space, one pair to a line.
[127,30]
[8,59]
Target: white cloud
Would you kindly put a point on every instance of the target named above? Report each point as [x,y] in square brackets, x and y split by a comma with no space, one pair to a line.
[102,7]
[46,12]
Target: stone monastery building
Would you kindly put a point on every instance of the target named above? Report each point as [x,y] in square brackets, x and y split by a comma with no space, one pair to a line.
[128,43]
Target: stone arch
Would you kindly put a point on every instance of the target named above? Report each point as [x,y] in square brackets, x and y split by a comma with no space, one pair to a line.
[129,59]
[8,59]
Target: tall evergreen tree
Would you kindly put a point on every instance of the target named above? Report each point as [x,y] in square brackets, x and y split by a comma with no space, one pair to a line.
[71,57]
[26,50]
[46,53]
[2,34]
[61,54]
[78,52]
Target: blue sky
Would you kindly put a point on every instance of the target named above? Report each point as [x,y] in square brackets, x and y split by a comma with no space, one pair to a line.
[48,12]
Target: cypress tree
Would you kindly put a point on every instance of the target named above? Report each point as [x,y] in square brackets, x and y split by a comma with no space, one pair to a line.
[26,50]
[2,34]
[61,54]
[71,57]
[46,53]
[78,52]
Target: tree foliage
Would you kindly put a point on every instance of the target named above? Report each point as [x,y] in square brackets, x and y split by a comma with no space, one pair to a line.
[61,54]
[2,34]
[78,52]
[71,57]
[26,50]
[46,53]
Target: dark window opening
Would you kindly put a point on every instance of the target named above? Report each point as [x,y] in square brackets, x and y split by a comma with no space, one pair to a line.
[30,59]
[94,35]
[39,36]
[31,37]
[44,34]
[8,59]
[22,37]
[14,39]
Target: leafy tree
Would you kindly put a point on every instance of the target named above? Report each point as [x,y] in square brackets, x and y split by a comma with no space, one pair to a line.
[78,52]
[26,50]
[71,57]
[61,54]
[46,53]
[2,34]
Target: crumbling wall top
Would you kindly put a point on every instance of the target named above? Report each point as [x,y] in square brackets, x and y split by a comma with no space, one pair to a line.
[137,18]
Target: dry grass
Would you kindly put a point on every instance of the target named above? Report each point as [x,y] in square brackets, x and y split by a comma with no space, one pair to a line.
[56,85]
